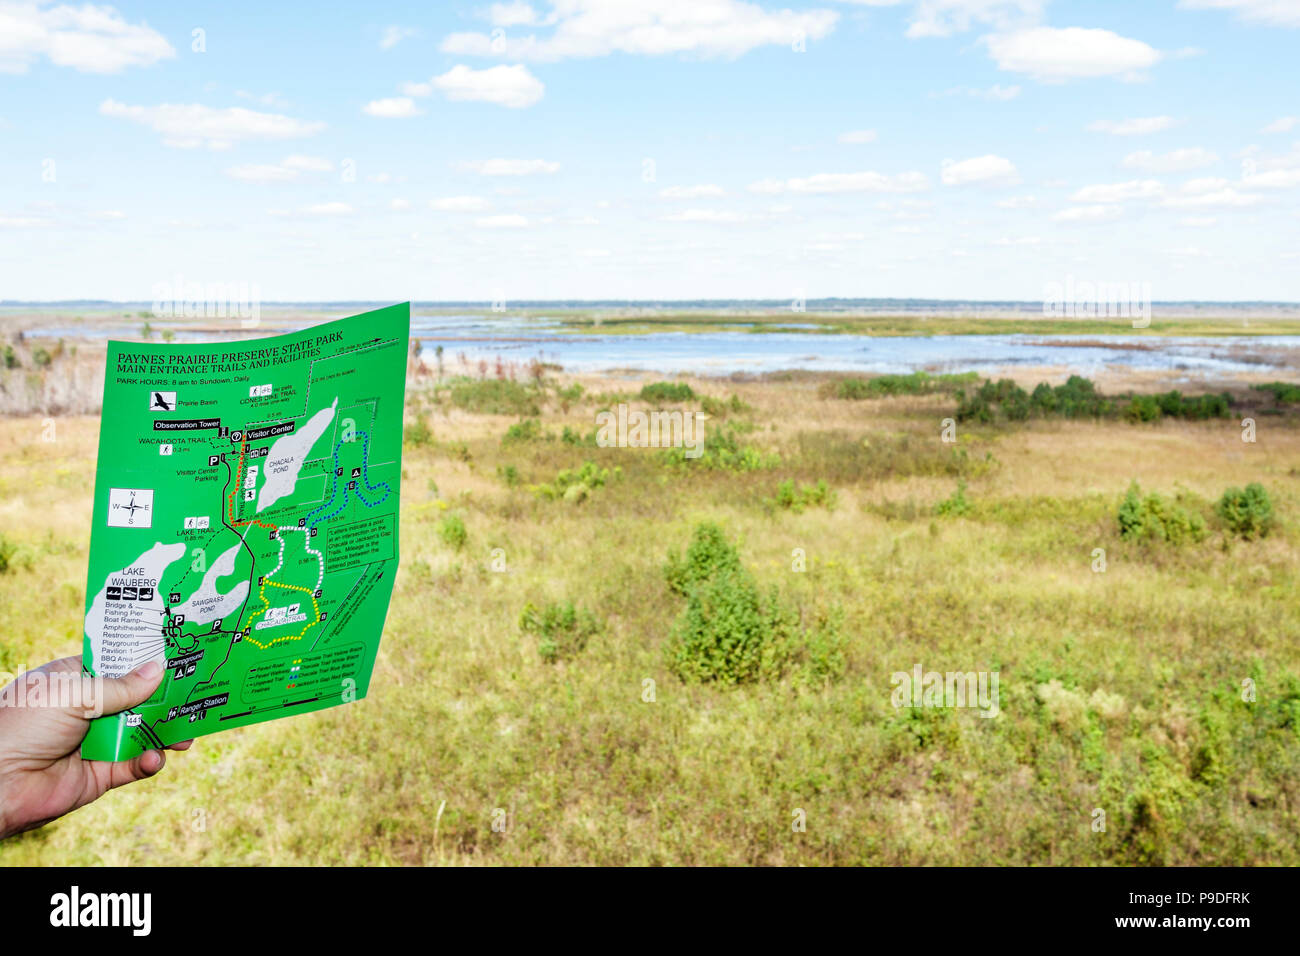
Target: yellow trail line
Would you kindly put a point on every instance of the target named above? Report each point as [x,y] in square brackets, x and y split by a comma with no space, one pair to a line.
[266,605]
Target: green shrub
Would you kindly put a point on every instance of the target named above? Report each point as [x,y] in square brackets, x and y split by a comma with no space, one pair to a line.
[509,474]
[571,394]
[957,504]
[11,357]
[495,396]
[41,357]
[914,383]
[529,429]
[451,529]
[1151,517]
[722,450]
[571,436]
[7,551]
[667,392]
[1248,512]
[576,484]
[805,496]
[719,408]
[709,554]
[561,629]
[417,434]
[1281,391]
[731,633]
[728,633]
[1079,398]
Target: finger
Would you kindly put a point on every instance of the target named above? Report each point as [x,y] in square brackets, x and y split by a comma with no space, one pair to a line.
[182,745]
[119,693]
[138,768]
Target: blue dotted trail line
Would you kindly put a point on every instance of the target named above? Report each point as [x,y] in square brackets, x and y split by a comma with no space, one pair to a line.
[365,479]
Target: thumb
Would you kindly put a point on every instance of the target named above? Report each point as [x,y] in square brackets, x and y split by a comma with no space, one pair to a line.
[116,694]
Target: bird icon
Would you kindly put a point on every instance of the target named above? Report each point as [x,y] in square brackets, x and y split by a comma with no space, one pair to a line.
[160,402]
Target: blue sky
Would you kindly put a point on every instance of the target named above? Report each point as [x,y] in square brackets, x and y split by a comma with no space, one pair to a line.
[655,149]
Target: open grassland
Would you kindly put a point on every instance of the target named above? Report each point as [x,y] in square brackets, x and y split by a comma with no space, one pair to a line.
[1120,690]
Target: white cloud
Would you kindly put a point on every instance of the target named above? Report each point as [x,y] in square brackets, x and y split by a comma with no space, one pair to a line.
[985,170]
[510,167]
[705,215]
[517,14]
[394,35]
[942,18]
[1283,124]
[87,38]
[329,209]
[691,192]
[1273,179]
[1019,241]
[1119,192]
[312,164]
[394,107]
[1198,222]
[994,92]
[512,221]
[1054,55]
[590,28]
[1220,197]
[1018,202]
[190,125]
[1178,161]
[264,99]
[285,171]
[20,222]
[1277,13]
[1088,214]
[870,182]
[1138,126]
[858,136]
[459,204]
[399,205]
[262,173]
[509,86]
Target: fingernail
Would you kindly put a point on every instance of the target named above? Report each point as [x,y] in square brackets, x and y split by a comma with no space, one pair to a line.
[152,761]
[149,671]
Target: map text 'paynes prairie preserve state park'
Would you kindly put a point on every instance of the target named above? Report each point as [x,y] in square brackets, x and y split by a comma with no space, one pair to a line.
[245,525]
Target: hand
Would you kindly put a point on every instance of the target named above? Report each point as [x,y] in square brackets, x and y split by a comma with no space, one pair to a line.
[42,775]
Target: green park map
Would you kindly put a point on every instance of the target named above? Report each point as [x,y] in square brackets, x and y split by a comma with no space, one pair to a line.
[245,525]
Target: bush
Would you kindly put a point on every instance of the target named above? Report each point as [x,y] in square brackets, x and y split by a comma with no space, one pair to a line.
[1247,512]
[495,396]
[1281,391]
[956,505]
[722,450]
[1079,398]
[805,496]
[562,630]
[576,484]
[667,392]
[417,433]
[451,529]
[718,408]
[709,554]
[727,633]
[915,383]
[1152,517]
[730,633]
[529,429]
[509,474]
[7,551]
